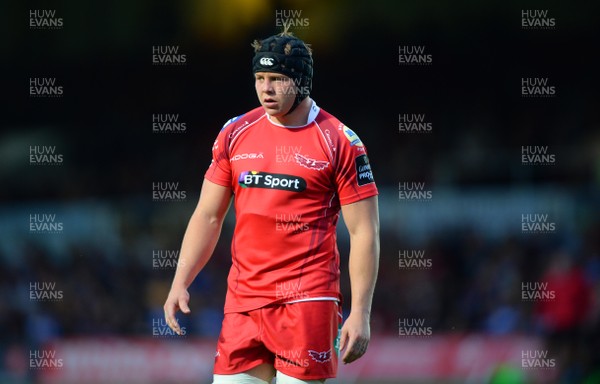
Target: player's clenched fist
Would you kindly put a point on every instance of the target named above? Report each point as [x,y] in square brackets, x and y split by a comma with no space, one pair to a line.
[178,299]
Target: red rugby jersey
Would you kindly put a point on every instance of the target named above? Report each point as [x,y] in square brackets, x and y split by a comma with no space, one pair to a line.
[288,184]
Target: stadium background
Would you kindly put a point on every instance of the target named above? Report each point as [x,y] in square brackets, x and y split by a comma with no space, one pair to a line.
[101,276]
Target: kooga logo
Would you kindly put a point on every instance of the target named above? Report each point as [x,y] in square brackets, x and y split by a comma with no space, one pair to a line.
[258,179]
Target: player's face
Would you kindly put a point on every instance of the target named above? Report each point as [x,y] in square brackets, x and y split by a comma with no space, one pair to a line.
[276,92]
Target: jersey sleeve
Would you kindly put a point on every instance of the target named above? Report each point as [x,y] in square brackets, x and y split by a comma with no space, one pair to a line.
[354,177]
[219,170]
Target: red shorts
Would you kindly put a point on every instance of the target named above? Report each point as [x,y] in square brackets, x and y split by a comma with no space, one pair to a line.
[298,339]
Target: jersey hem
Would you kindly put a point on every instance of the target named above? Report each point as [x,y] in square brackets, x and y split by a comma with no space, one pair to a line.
[323,298]
[243,369]
[248,308]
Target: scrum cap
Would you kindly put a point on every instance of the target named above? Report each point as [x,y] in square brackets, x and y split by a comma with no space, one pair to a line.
[286,54]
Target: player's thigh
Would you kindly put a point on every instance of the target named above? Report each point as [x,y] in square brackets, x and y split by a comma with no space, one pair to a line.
[240,348]
[282,378]
[304,337]
[263,374]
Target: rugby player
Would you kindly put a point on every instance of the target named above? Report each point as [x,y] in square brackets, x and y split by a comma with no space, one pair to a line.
[290,168]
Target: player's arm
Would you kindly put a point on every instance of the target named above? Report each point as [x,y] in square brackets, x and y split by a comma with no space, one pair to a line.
[198,244]
[362,221]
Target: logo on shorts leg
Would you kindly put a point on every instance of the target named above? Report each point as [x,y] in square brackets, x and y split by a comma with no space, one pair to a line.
[320,357]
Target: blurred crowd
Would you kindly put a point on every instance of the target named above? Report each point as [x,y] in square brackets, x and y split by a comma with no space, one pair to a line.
[473,284]
[471,96]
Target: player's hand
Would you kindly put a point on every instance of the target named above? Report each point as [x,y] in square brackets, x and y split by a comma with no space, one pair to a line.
[178,299]
[355,337]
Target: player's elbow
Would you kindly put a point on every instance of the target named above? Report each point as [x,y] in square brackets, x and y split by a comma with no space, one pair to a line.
[207,218]
[365,235]
[366,227]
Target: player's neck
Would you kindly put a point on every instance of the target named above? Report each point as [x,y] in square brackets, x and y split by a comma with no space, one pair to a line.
[298,117]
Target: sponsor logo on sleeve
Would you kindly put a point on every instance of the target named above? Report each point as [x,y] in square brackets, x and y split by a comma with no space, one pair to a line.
[232,120]
[352,137]
[258,179]
[364,175]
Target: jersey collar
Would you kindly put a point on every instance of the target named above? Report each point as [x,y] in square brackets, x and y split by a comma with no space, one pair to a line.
[312,115]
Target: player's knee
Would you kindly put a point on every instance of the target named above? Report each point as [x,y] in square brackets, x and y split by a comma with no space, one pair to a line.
[238,378]
[282,378]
